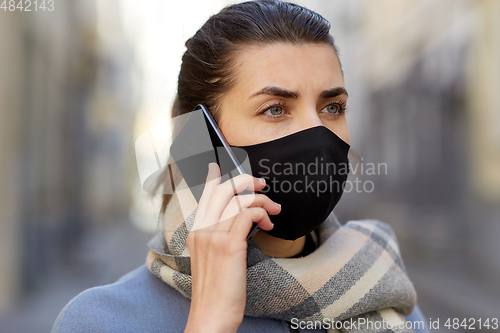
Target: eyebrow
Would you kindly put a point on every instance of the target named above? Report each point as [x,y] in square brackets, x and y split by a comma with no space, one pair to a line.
[334,92]
[280,92]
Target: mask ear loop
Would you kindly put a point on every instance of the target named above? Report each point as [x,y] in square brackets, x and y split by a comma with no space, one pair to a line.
[355,163]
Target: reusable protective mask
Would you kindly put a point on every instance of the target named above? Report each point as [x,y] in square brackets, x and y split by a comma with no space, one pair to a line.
[305,172]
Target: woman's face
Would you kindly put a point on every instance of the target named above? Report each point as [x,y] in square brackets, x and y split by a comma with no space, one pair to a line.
[281,89]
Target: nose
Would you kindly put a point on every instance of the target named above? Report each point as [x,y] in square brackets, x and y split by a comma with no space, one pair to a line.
[308,117]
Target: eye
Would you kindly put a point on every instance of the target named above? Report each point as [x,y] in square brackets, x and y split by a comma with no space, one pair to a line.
[274,111]
[334,109]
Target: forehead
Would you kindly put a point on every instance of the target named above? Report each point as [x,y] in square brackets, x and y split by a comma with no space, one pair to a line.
[311,67]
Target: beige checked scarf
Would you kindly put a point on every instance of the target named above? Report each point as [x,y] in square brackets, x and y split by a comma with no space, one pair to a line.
[356,272]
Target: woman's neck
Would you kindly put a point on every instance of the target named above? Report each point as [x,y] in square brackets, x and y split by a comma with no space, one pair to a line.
[277,247]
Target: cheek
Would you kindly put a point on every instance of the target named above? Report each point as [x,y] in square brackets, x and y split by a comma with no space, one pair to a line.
[347,138]
[234,131]
[241,129]
[345,134]
[341,130]
[227,129]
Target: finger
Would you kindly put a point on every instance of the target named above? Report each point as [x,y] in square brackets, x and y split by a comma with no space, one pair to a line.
[243,222]
[240,202]
[241,183]
[225,191]
[211,183]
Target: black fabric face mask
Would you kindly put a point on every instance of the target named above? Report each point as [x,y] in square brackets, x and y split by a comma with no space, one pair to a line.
[305,172]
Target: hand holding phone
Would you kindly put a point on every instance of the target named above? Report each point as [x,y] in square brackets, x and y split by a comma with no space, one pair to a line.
[218,251]
[225,220]
[201,142]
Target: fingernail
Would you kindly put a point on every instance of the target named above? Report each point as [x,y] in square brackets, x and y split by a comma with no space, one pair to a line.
[210,168]
[277,204]
[262,180]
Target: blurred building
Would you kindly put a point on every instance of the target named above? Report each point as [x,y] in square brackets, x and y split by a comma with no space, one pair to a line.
[66,112]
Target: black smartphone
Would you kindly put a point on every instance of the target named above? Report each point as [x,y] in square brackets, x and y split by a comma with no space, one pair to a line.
[200,142]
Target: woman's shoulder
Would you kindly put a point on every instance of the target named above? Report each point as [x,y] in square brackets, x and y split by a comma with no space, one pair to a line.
[138,301]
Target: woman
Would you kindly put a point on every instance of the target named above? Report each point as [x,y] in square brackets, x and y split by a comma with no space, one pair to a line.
[269,73]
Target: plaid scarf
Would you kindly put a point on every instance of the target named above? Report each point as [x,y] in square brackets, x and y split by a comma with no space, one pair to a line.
[355,274]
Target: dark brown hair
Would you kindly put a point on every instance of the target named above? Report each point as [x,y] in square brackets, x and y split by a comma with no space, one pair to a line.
[206,73]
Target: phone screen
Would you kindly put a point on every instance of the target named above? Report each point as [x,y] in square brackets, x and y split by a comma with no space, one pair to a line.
[200,142]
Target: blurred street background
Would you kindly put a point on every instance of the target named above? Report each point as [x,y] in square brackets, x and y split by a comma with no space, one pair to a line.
[79,84]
